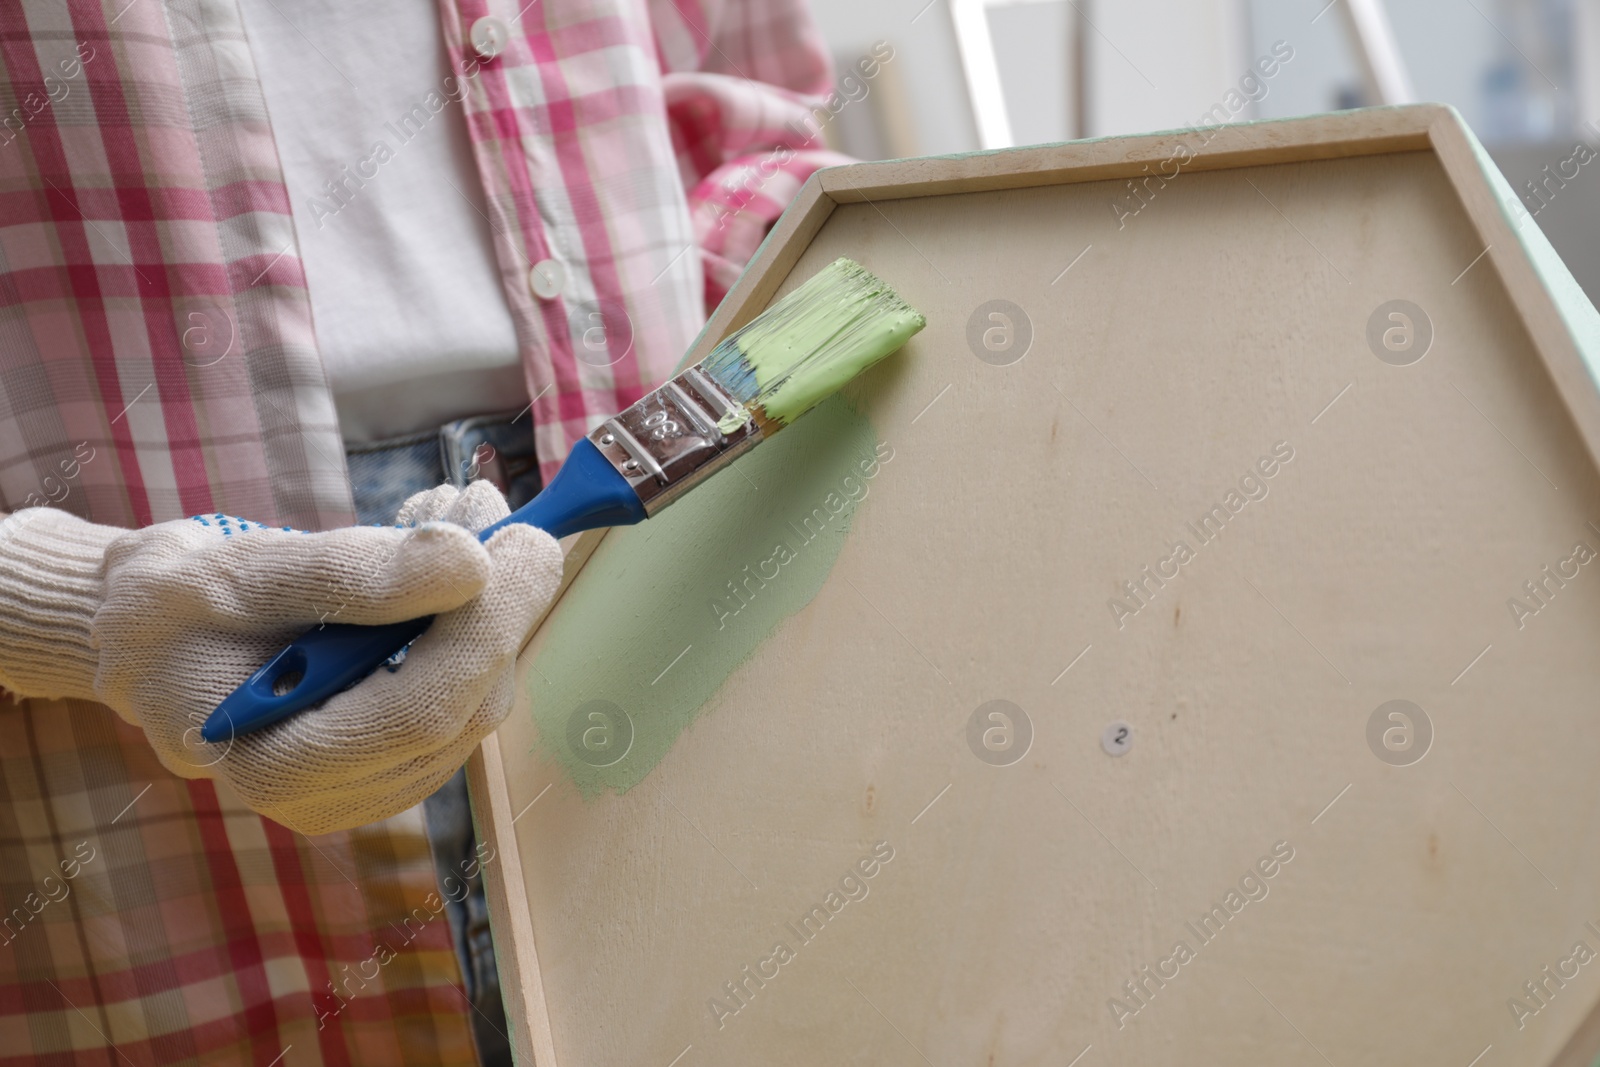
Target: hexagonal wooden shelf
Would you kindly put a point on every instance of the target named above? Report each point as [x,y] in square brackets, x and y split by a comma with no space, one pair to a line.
[1184,650]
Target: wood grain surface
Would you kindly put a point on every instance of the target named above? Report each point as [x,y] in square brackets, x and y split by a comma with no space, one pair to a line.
[1206,358]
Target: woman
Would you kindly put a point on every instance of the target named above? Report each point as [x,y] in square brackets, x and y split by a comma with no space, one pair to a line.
[233,283]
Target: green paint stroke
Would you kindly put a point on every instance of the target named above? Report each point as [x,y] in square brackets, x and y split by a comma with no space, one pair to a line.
[716,573]
[804,348]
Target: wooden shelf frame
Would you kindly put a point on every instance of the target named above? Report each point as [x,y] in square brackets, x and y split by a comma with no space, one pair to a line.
[1563,325]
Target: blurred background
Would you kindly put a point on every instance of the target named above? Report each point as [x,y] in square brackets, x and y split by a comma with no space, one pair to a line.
[961,75]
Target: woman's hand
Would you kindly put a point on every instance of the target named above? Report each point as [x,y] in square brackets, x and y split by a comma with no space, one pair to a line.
[162,623]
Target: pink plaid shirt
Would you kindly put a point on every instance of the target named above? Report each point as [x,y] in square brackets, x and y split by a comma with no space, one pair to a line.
[157,359]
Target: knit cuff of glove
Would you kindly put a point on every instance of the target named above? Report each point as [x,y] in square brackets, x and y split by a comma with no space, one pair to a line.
[50,587]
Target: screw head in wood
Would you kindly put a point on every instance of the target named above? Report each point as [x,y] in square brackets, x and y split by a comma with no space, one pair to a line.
[1117,738]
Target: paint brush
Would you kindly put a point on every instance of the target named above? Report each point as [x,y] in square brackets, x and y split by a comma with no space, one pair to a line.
[756,381]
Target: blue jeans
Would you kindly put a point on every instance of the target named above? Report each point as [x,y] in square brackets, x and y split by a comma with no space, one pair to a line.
[382,476]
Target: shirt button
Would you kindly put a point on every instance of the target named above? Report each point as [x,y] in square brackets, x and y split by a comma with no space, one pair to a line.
[547,279]
[489,36]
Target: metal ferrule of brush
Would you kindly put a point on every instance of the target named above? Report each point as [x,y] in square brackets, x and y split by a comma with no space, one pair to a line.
[670,441]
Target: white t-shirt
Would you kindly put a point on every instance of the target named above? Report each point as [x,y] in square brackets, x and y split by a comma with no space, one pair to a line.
[405,290]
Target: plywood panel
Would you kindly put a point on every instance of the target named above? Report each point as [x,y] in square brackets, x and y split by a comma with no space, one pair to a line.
[1222,327]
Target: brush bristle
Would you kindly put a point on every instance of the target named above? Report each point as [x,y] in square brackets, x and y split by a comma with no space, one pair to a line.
[805,347]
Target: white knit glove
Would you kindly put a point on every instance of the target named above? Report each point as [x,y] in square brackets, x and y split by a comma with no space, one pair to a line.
[162,623]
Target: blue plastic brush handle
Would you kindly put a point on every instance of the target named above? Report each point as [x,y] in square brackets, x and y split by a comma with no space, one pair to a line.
[586,493]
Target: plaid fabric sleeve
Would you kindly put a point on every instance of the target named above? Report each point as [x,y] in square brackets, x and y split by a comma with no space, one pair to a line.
[747,87]
[735,205]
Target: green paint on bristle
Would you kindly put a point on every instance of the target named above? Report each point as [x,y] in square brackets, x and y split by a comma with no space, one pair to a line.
[805,347]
